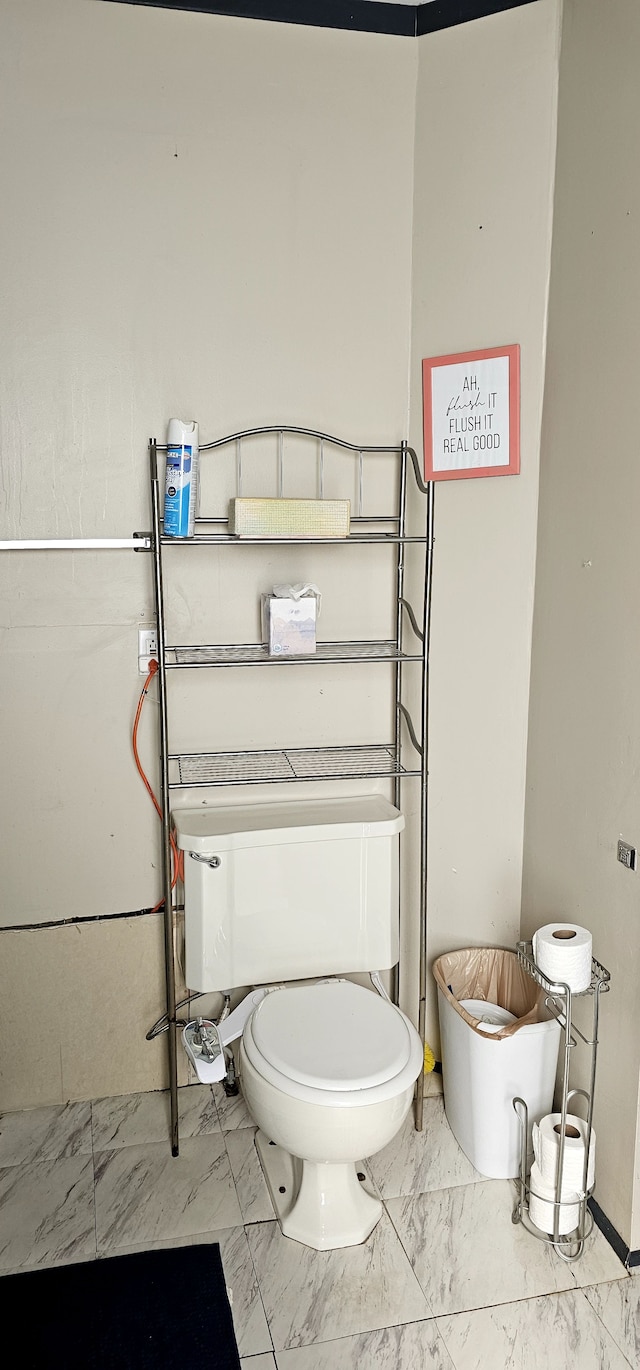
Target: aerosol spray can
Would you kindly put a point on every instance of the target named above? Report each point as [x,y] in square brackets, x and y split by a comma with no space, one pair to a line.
[181,480]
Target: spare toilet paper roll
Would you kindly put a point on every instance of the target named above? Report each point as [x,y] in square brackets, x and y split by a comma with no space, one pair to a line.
[546,1148]
[562,951]
[542,1206]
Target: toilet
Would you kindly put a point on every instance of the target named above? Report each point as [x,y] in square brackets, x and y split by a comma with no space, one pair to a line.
[293,897]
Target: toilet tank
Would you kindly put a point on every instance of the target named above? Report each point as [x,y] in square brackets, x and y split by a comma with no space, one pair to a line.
[289,891]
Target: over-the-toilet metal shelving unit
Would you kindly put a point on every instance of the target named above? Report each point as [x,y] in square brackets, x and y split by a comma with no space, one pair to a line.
[397,757]
[559,1001]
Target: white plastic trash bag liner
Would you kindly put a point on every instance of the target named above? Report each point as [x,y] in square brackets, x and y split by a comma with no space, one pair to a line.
[496,1044]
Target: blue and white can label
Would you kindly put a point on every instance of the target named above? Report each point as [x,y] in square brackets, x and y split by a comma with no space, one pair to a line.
[177,492]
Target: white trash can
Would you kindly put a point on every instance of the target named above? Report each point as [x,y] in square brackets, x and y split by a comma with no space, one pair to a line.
[482,1074]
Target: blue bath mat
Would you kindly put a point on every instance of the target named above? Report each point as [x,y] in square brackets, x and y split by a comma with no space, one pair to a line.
[154,1310]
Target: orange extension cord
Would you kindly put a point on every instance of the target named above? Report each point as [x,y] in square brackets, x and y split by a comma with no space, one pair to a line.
[178,865]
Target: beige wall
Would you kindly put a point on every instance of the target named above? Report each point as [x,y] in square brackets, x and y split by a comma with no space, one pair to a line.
[584,744]
[208,218]
[77,1002]
[481,246]
[214,218]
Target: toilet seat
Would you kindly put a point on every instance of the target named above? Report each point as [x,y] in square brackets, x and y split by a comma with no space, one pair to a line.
[333,1042]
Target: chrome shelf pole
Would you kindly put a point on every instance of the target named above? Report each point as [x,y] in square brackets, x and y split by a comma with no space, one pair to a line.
[166,817]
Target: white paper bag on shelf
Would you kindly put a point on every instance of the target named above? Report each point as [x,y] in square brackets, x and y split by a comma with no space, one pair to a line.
[289,616]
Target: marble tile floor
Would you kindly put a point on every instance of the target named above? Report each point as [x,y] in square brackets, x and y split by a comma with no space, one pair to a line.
[445,1281]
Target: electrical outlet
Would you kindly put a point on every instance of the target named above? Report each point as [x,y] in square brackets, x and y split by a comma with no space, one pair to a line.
[627,855]
[147,648]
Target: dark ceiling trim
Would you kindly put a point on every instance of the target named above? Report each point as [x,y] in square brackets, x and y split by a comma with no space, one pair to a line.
[364,16]
[445,14]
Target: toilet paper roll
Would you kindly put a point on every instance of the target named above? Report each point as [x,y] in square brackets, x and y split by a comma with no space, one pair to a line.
[542,1206]
[546,1148]
[562,951]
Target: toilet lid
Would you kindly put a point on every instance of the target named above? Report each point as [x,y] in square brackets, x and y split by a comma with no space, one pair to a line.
[333,1035]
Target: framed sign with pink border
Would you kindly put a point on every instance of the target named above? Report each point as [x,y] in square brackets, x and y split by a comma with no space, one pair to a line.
[472,414]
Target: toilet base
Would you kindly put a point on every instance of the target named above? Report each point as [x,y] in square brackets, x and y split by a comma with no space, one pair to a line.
[323,1205]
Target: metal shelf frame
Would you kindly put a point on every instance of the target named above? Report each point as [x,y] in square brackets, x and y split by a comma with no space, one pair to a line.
[559,1001]
[410,643]
[181,657]
[278,766]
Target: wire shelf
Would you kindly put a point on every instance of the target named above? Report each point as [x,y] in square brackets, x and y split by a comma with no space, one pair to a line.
[303,763]
[257,654]
[232,540]
[600,977]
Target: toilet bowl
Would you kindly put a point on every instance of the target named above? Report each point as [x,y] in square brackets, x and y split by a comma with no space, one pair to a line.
[327,1072]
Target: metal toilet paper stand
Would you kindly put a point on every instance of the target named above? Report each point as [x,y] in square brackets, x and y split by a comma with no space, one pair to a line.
[559,1001]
